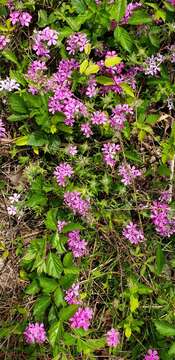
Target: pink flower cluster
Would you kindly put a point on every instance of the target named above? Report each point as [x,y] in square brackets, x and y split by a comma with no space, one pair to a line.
[76,42]
[72,294]
[74,201]
[113,337]
[91,89]
[62,172]
[72,150]
[119,114]
[43,39]
[23,18]
[109,152]
[99,118]
[128,173]
[35,333]
[151,355]
[12,209]
[82,318]
[86,130]
[4,40]
[60,225]
[152,64]
[129,10]
[133,234]
[162,218]
[77,245]
[2,129]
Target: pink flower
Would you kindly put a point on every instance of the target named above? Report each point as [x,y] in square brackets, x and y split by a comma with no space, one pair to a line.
[35,333]
[2,130]
[128,173]
[119,114]
[72,294]
[76,42]
[109,152]
[4,40]
[12,210]
[14,17]
[25,18]
[113,337]
[81,319]
[91,89]
[133,234]
[151,355]
[74,201]
[162,219]
[62,172]
[76,245]
[72,150]
[60,225]
[86,130]
[99,118]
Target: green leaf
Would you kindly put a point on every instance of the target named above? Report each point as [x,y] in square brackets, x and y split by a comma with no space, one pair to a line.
[134,303]
[127,89]
[171,350]
[122,36]
[18,117]
[68,260]
[72,227]
[40,307]
[58,242]
[58,297]
[164,328]
[33,288]
[64,128]
[37,139]
[17,104]
[42,18]
[120,9]
[79,6]
[54,265]
[83,66]
[67,312]
[160,260]
[21,141]
[140,17]
[104,80]
[92,69]
[112,60]
[90,345]
[9,55]
[55,333]
[51,219]
[47,284]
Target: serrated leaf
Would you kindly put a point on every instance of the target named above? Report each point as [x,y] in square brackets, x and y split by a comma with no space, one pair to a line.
[134,303]
[47,284]
[40,307]
[79,6]
[120,9]
[68,260]
[67,312]
[112,61]
[72,227]
[54,266]
[9,55]
[22,140]
[171,350]
[164,328]
[140,17]
[127,89]
[17,104]
[160,260]
[42,18]
[51,219]
[83,66]
[92,69]
[122,36]
[58,297]
[33,288]
[104,80]
[54,333]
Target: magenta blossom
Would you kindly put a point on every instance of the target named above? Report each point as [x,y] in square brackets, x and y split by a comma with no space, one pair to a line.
[62,172]
[86,130]
[162,218]
[109,152]
[4,40]
[60,225]
[99,118]
[151,355]
[72,150]
[74,201]
[128,173]
[77,245]
[72,294]
[81,319]
[35,333]
[2,130]
[113,337]
[133,234]
[76,42]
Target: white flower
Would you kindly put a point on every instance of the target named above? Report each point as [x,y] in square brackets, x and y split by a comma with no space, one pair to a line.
[9,85]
